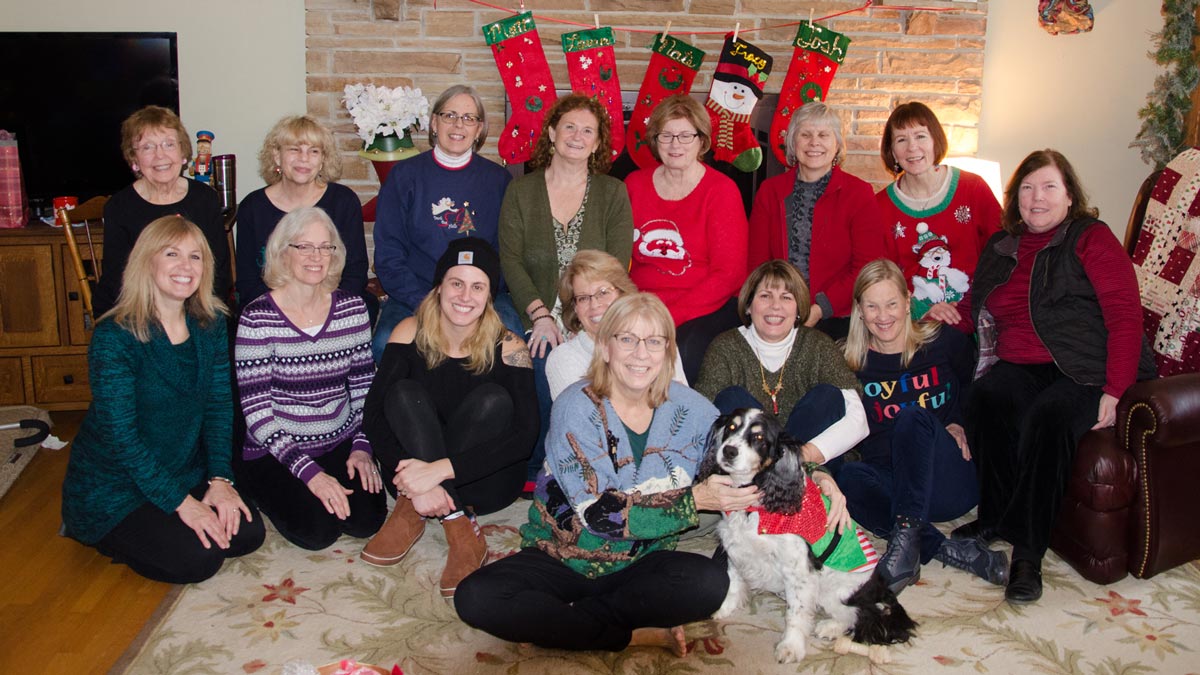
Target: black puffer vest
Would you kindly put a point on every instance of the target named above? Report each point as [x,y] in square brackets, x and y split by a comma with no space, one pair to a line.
[1062,302]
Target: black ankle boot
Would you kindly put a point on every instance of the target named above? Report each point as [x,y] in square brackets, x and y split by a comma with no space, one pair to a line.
[900,565]
[973,556]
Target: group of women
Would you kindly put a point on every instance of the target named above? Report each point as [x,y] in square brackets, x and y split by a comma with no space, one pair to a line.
[567,303]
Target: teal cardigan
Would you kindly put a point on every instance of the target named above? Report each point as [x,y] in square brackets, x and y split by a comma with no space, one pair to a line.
[160,423]
[528,255]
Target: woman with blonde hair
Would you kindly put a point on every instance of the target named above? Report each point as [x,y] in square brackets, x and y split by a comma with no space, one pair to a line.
[300,163]
[916,466]
[157,147]
[598,567]
[149,482]
[303,363]
[452,414]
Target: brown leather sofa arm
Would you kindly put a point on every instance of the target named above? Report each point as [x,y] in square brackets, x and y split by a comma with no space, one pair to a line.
[1158,421]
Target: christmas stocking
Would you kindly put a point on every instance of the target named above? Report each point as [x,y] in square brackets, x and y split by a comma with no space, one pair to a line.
[527,81]
[672,69]
[736,88]
[819,51]
[592,68]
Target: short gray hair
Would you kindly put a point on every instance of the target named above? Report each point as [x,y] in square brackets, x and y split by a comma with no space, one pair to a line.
[440,104]
[815,112]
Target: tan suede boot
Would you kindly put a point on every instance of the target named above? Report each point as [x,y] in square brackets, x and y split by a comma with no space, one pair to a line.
[468,549]
[394,540]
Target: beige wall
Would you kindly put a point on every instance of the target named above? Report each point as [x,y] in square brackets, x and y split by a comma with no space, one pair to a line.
[241,63]
[1078,94]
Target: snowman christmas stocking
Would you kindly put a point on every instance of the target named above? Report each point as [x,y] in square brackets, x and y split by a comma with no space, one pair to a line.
[592,67]
[672,70]
[527,81]
[819,51]
[737,87]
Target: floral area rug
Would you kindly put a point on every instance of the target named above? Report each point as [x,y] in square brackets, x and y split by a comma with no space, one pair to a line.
[283,603]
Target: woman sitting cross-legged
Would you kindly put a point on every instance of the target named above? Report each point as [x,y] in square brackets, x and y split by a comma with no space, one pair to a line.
[452,414]
[149,481]
[916,465]
[598,569]
[791,371]
[588,287]
[303,361]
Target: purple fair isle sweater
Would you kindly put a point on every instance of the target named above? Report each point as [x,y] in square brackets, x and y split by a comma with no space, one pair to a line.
[303,394]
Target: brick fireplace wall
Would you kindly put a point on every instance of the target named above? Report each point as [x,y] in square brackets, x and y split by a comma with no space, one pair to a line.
[896,55]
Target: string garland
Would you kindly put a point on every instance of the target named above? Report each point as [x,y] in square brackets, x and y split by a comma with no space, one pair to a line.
[868,4]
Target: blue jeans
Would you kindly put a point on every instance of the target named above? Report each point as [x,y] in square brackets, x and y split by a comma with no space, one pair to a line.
[814,412]
[922,475]
[394,311]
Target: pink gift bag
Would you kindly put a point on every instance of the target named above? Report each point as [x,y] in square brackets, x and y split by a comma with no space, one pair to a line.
[14,209]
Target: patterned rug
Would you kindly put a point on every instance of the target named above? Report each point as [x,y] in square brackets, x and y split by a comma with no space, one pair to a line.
[283,603]
[13,460]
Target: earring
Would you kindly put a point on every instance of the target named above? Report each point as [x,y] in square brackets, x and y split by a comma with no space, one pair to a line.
[278,170]
[896,167]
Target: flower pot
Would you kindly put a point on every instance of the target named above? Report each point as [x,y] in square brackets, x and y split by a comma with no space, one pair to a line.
[383,160]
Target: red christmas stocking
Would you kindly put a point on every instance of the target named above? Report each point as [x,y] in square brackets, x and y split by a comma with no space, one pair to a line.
[672,69]
[592,68]
[527,81]
[819,51]
[736,88]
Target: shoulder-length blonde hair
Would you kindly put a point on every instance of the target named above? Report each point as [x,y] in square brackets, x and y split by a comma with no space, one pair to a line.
[858,341]
[774,273]
[619,318]
[136,310]
[276,272]
[299,130]
[480,346]
[595,266]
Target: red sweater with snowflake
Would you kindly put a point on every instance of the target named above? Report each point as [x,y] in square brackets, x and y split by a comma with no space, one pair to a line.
[690,252]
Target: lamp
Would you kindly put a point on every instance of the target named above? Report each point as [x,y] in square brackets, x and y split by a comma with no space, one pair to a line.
[986,169]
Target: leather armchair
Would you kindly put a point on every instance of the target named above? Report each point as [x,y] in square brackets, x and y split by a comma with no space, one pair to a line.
[1131,502]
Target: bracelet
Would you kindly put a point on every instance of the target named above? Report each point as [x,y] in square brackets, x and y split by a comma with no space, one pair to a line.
[539,306]
[543,316]
[223,479]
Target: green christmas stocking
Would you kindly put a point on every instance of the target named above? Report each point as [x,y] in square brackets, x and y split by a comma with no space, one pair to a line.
[736,88]
[819,51]
[672,70]
[592,67]
[527,81]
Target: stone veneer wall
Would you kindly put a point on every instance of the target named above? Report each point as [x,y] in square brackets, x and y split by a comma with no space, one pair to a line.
[895,56]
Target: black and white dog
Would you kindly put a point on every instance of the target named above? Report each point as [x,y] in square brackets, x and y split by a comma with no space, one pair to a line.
[751,447]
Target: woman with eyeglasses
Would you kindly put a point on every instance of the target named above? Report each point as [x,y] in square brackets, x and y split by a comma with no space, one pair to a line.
[300,163]
[303,363]
[690,233]
[793,372]
[598,569]
[566,204]
[589,286]
[157,147]
[428,201]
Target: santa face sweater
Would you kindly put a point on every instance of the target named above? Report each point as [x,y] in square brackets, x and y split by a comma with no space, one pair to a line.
[690,252]
[303,394]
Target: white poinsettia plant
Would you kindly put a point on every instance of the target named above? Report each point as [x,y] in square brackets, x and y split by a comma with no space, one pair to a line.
[386,111]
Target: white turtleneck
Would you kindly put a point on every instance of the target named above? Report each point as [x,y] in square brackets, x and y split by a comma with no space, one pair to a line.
[451,161]
[771,354]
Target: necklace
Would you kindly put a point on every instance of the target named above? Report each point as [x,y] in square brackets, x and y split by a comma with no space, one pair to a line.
[923,202]
[762,372]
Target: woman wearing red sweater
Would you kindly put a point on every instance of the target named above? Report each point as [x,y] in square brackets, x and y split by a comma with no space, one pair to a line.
[1068,317]
[690,233]
[819,218]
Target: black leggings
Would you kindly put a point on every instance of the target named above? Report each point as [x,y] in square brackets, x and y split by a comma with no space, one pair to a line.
[531,597]
[481,419]
[693,337]
[299,515]
[158,546]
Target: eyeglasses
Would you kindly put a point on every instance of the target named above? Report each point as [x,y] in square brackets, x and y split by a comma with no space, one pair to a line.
[324,251]
[601,295]
[628,342]
[149,146]
[685,138]
[468,119]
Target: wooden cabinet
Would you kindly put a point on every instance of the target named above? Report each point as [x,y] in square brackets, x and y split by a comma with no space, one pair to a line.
[43,339]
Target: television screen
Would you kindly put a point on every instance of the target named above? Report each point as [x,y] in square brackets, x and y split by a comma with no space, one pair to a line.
[65,95]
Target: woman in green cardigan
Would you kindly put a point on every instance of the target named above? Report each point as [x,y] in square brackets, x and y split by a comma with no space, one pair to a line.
[567,204]
[149,481]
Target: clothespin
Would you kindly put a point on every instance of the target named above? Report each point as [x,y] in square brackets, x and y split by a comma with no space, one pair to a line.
[666,29]
[522,5]
[810,15]
[596,18]
[737,28]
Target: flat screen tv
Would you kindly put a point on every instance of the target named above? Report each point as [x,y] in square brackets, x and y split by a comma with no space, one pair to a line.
[65,95]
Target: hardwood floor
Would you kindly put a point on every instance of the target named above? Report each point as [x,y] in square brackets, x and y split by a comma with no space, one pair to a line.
[64,608]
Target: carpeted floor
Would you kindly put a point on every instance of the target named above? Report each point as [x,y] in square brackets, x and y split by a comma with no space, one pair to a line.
[284,603]
[13,460]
